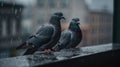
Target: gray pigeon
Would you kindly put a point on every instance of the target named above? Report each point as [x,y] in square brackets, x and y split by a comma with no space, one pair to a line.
[71,37]
[46,36]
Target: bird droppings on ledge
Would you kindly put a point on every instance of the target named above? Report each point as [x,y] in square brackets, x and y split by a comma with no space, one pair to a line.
[40,58]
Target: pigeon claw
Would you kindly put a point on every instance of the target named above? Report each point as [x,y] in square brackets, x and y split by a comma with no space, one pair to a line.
[48,51]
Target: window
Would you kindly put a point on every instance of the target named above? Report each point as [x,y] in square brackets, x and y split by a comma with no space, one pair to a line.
[101,19]
[13,29]
[92,19]
[4,28]
[93,30]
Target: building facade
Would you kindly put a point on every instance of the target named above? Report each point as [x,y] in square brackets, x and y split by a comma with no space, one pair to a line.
[100,31]
[100,20]
[10,25]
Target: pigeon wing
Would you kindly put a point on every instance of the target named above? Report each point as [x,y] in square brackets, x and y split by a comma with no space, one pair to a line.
[64,40]
[42,37]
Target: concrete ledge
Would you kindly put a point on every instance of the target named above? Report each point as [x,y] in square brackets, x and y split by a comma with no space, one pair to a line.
[39,58]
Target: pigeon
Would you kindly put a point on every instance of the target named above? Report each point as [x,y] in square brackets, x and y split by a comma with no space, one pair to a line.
[45,37]
[71,37]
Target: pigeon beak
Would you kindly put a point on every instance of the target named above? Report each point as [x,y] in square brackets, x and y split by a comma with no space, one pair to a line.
[63,18]
[78,23]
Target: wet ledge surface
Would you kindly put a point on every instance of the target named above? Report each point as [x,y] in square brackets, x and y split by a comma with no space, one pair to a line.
[40,58]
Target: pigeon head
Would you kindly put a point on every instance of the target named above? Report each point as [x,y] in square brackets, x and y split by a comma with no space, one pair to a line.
[56,17]
[60,15]
[74,24]
[76,20]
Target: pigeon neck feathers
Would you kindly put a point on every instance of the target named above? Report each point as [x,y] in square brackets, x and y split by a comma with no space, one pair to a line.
[55,20]
[74,27]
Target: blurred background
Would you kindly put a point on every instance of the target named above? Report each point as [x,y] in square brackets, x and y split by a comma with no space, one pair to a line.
[20,18]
